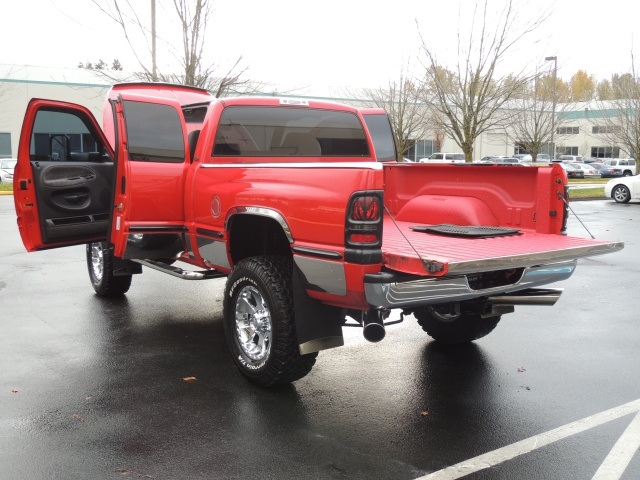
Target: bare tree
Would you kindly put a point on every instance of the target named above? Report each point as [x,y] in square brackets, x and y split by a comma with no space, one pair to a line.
[192,17]
[438,139]
[532,123]
[622,125]
[402,101]
[469,100]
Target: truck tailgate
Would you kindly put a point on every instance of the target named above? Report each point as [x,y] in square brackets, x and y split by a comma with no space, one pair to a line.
[419,253]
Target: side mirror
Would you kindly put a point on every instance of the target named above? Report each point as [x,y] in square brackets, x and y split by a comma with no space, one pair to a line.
[59,146]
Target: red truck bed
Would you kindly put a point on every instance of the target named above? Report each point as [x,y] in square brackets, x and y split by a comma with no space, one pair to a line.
[528,200]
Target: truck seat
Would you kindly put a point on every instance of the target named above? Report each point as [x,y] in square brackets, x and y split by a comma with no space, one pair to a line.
[303,144]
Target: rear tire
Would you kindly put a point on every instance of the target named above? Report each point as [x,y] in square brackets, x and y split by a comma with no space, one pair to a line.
[259,322]
[454,328]
[100,266]
[621,194]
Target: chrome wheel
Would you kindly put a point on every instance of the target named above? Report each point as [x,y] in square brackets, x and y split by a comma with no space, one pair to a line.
[253,324]
[259,323]
[102,271]
[97,261]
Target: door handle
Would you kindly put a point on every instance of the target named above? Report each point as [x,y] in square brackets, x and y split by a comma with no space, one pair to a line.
[81,197]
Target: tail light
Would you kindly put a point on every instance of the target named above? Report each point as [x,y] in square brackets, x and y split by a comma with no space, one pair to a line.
[363,227]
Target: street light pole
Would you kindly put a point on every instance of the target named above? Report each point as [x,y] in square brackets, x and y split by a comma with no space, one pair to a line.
[553,118]
[154,67]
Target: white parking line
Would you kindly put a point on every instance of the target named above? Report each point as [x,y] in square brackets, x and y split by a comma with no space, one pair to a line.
[538,441]
[621,453]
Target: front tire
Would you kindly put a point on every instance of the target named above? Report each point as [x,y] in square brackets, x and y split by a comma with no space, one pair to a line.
[448,325]
[259,322]
[621,194]
[100,266]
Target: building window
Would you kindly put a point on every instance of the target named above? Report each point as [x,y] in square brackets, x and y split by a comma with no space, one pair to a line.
[605,152]
[567,151]
[598,129]
[5,145]
[420,149]
[568,130]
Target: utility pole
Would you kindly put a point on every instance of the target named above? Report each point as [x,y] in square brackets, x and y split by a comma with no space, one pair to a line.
[553,118]
[154,68]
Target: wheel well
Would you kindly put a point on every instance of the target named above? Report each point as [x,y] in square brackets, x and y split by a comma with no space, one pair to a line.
[253,235]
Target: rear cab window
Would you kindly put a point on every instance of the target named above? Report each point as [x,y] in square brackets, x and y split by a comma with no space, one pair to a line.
[265,131]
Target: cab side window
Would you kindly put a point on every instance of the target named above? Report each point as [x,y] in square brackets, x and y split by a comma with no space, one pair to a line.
[154,133]
[64,137]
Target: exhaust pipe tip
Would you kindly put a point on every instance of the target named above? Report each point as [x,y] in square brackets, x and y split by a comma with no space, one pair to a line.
[374,332]
[530,296]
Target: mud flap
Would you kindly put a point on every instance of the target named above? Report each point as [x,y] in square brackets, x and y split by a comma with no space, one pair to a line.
[125,267]
[318,326]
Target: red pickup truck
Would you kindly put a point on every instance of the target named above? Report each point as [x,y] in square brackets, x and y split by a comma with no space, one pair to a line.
[302,206]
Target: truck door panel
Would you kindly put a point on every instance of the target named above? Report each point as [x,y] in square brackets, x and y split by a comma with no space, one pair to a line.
[74,200]
[63,183]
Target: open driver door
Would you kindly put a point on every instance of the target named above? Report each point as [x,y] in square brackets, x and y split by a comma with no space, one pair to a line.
[63,181]
[72,187]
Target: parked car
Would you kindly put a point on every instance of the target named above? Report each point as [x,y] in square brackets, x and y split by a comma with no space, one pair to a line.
[444,158]
[523,157]
[504,160]
[543,157]
[606,171]
[627,165]
[623,190]
[6,169]
[570,158]
[589,171]
[573,170]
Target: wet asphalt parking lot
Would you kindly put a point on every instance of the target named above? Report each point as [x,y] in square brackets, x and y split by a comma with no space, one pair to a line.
[96,389]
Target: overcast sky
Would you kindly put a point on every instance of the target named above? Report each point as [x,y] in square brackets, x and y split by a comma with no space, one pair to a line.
[335,43]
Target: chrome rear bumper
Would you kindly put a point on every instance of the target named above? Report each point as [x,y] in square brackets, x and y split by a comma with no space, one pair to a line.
[389,290]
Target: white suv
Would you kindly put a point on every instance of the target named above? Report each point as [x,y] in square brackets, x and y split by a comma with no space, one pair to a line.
[571,158]
[444,158]
[627,165]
